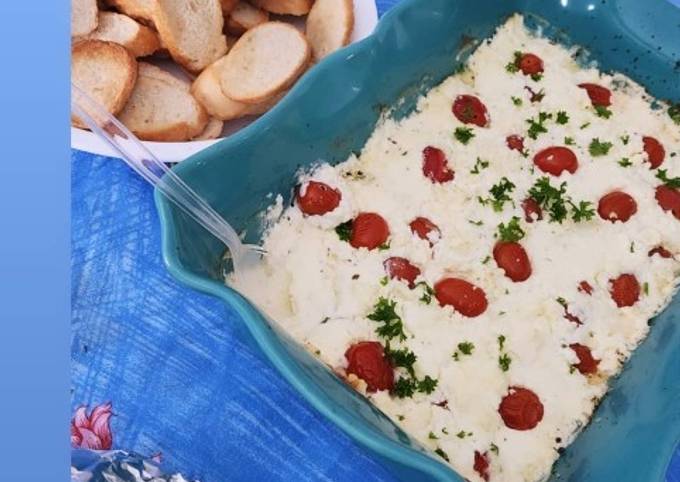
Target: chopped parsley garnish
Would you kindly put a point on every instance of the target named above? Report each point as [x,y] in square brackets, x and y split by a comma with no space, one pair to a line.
[408,386]
[442,454]
[476,223]
[384,280]
[427,385]
[427,292]
[674,113]
[584,211]
[673,182]
[385,313]
[486,260]
[402,358]
[583,126]
[401,418]
[344,230]
[501,341]
[494,448]
[536,77]
[555,201]
[466,347]
[479,165]
[444,431]
[513,66]
[516,100]
[504,362]
[499,194]
[463,134]
[625,139]
[384,246]
[625,162]
[404,388]
[645,288]
[569,141]
[537,126]
[432,436]
[463,434]
[562,301]
[632,247]
[599,148]
[512,232]
[562,117]
[602,111]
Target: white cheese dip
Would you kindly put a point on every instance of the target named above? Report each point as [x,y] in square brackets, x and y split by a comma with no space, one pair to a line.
[321,289]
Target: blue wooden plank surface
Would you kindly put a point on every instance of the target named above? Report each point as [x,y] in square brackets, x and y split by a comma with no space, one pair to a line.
[181,380]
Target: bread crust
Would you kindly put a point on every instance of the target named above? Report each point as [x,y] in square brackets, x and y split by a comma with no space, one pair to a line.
[84,17]
[144,43]
[285,7]
[319,28]
[141,10]
[213,130]
[244,17]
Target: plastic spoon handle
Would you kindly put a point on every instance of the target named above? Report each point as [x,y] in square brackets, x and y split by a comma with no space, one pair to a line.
[139,158]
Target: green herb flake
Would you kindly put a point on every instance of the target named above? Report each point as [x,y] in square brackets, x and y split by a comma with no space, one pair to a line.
[598,148]
[513,67]
[486,260]
[463,134]
[493,448]
[444,431]
[632,247]
[584,211]
[550,198]
[401,418]
[562,301]
[645,288]
[466,347]
[384,311]
[384,280]
[569,141]
[442,454]
[432,436]
[625,162]
[672,182]
[499,194]
[512,232]
[625,139]
[479,165]
[536,77]
[404,388]
[384,246]
[427,292]
[584,126]
[602,111]
[344,230]
[501,341]
[537,125]
[504,362]
[517,101]
[463,434]
[476,223]
[674,113]
[427,385]
[402,358]
[562,117]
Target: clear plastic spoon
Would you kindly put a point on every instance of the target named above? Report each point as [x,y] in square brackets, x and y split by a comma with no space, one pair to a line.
[139,158]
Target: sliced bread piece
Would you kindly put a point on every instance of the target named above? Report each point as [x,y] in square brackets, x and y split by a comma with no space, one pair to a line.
[141,10]
[161,108]
[191,31]
[121,29]
[206,88]
[285,7]
[244,17]
[329,26]
[83,17]
[213,130]
[104,70]
[228,6]
[265,61]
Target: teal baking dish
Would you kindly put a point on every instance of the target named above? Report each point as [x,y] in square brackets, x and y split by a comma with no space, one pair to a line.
[332,111]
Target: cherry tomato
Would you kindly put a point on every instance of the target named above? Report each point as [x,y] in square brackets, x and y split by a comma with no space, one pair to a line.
[470,110]
[401,269]
[584,287]
[422,227]
[586,363]
[661,251]
[521,409]
[530,64]
[669,199]
[369,230]
[655,151]
[555,160]
[625,290]
[599,96]
[532,210]
[481,465]
[515,143]
[318,198]
[513,259]
[466,298]
[367,361]
[617,206]
[436,166]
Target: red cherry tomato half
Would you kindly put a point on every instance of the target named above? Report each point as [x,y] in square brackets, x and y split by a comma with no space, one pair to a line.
[669,199]
[661,251]
[655,151]
[318,198]
[586,363]
[515,143]
[617,206]
[555,160]
[436,166]
[584,287]
[470,110]
[599,96]
[530,64]
[521,409]
[625,290]
[369,230]
[401,269]
[481,465]
[532,210]
[513,259]
[422,227]
[367,361]
[466,298]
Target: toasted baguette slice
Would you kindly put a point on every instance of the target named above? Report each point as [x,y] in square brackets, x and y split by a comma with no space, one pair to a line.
[206,88]
[191,31]
[141,10]
[228,6]
[83,17]
[161,108]
[104,70]
[244,17]
[285,7]
[329,26]
[213,130]
[121,29]
[265,61]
